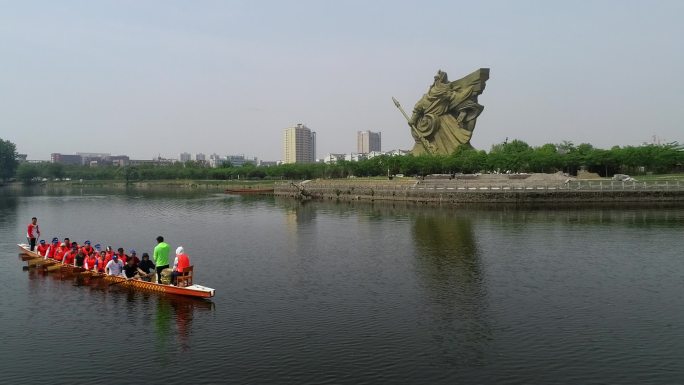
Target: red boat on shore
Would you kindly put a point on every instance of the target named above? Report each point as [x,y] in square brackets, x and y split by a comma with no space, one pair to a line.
[36,260]
[261,191]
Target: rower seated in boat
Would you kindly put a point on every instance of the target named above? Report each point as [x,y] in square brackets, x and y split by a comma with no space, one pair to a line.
[53,248]
[122,256]
[90,262]
[79,260]
[70,256]
[101,261]
[42,248]
[114,267]
[146,267]
[59,253]
[87,249]
[131,270]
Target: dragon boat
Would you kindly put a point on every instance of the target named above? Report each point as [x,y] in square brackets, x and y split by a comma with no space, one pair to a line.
[33,259]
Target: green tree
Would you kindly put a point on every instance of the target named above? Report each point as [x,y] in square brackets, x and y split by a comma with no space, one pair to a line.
[8,160]
[514,156]
[55,170]
[26,172]
[545,158]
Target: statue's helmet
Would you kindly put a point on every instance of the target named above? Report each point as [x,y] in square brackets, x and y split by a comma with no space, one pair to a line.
[441,77]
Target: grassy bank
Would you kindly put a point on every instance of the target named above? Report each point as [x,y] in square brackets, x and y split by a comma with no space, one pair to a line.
[659,177]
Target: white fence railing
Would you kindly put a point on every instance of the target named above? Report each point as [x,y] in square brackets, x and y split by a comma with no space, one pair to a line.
[474,186]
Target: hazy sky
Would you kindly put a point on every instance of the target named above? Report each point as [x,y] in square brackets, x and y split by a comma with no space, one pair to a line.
[144,78]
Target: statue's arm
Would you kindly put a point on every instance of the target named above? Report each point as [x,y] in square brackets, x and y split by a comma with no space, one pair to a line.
[418,112]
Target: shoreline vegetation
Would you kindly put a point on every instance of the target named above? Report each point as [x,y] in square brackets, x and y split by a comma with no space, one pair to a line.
[457,190]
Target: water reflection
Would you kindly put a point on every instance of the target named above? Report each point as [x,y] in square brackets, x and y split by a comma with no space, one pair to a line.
[8,210]
[296,213]
[171,316]
[449,266]
[174,317]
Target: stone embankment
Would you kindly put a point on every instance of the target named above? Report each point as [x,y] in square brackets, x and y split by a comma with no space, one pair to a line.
[526,188]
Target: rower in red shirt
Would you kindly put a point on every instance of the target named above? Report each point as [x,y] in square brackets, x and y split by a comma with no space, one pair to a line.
[59,253]
[102,261]
[90,262]
[122,256]
[43,248]
[70,256]
[67,242]
[87,249]
[53,248]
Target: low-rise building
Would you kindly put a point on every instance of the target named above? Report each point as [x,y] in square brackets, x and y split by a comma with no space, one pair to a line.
[334,158]
[66,159]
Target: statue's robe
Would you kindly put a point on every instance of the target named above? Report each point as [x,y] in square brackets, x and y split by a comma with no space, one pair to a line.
[444,118]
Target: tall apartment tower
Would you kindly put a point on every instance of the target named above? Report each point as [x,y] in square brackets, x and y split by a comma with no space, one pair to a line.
[367,141]
[299,145]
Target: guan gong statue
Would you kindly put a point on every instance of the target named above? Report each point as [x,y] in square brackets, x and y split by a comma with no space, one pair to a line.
[444,118]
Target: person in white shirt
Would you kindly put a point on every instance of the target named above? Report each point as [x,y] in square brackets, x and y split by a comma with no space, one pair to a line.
[114,267]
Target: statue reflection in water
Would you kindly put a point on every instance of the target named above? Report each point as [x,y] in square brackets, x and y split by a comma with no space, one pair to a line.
[449,266]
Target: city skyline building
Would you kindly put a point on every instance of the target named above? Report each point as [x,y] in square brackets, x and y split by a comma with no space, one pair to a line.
[185,157]
[66,159]
[299,144]
[368,141]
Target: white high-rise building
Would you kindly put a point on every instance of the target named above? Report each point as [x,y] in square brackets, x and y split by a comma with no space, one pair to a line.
[299,145]
[367,142]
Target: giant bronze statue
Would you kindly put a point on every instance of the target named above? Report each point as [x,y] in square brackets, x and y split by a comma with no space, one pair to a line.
[444,118]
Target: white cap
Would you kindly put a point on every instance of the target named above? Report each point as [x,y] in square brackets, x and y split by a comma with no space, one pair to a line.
[179,250]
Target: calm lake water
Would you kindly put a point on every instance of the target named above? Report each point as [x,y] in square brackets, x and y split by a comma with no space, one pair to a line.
[349,293]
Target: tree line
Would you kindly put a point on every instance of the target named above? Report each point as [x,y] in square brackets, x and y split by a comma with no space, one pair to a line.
[510,157]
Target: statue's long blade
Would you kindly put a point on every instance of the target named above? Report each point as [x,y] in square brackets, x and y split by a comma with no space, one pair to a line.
[396,103]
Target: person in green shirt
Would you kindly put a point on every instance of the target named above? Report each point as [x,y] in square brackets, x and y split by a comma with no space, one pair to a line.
[161,256]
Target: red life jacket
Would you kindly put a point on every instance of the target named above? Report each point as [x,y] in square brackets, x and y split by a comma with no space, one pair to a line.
[59,253]
[42,249]
[90,262]
[123,258]
[52,250]
[101,263]
[69,258]
[87,250]
[183,262]
[108,258]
